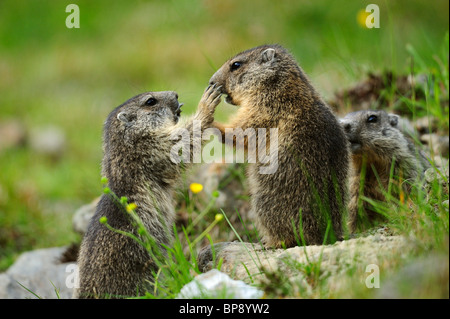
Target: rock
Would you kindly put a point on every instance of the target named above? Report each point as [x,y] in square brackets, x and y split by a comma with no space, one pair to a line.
[39,271]
[12,133]
[83,215]
[424,277]
[251,262]
[438,144]
[440,161]
[426,124]
[48,140]
[438,174]
[216,284]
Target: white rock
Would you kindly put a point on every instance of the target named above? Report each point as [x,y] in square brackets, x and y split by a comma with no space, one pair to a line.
[216,284]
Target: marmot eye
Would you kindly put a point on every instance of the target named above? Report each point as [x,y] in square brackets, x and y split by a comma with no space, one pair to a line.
[235,66]
[151,101]
[372,119]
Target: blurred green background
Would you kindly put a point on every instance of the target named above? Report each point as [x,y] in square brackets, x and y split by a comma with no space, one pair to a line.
[72,78]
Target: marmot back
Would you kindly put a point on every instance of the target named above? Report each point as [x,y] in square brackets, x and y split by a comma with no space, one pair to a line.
[309,186]
[376,142]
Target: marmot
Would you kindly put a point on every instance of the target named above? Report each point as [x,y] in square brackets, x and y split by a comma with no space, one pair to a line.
[313,157]
[137,145]
[376,141]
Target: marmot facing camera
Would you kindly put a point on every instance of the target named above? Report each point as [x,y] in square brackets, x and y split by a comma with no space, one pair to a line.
[378,146]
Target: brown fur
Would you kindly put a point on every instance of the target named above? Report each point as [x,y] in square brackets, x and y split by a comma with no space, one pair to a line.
[376,141]
[274,92]
[137,144]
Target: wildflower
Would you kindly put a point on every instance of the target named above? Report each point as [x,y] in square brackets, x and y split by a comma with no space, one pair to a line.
[103,220]
[217,219]
[361,17]
[106,190]
[196,188]
[131,207]
[104,180]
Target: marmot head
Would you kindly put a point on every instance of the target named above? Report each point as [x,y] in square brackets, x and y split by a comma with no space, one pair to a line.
[131,136]
[144,113]
[373,132]
[264,71]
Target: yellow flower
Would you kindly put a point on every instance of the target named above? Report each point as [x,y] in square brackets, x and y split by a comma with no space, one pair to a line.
[361,17]
[218,217]
[131,207]
[196,188]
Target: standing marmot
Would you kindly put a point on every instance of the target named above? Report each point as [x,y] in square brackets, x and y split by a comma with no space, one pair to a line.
[274,92]
[376,141]
[137,162]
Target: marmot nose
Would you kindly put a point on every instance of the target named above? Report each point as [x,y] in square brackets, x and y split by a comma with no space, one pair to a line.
[214,79]
[347,127]
[345,124]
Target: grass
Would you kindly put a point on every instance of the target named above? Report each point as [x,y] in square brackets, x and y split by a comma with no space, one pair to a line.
[73,78]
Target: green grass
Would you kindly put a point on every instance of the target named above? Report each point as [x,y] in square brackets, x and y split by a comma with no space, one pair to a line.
[73,78]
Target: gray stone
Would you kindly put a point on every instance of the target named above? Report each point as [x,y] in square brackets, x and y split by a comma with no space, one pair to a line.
[40,272]
[423,277]
[49,140]
[440,161]
[426,124]
[439,174]
[83,215]
[438,144]
[251,262]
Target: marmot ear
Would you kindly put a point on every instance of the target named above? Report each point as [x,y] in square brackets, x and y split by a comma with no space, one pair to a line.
[124,117]
[268,55]
[393,119]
